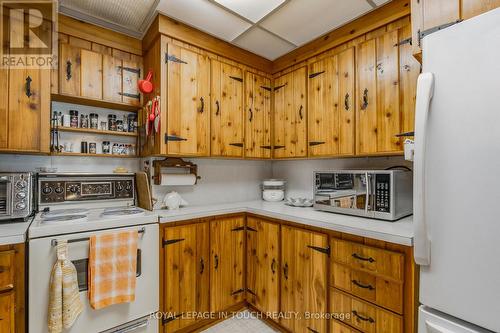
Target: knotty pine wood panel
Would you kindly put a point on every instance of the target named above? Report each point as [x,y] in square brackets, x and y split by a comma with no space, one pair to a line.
[347,98]
[91,74]
[112,78]
[69,70]
[471,8]
[4,107]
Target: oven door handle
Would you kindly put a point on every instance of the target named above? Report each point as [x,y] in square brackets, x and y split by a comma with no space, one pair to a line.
[133,327]
[368,190]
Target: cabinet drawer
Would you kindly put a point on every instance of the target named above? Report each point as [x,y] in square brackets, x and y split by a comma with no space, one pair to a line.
[7,312]
[6,270]
[364,316]
[369,259]
[336,327]
[375,289]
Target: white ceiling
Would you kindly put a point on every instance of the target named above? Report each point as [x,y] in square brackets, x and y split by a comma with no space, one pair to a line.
[269,28]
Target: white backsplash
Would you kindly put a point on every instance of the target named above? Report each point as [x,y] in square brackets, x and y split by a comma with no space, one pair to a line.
[299,173]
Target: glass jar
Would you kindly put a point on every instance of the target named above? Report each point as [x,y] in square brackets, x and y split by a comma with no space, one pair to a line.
[125,123]
[115,149]
[92,148]
[73,116]
[94,121]
[119,126]
[112,122]
[105,147]
[132,122]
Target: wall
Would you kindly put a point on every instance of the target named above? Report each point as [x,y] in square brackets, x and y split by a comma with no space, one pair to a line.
[299,173]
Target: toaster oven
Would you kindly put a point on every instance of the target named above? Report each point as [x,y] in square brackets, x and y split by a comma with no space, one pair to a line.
[379,194]
[16,195]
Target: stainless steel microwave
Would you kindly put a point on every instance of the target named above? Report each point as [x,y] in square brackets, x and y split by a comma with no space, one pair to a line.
[16,195]
[379,194]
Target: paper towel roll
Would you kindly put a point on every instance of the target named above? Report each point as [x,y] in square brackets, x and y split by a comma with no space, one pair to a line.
[177,179]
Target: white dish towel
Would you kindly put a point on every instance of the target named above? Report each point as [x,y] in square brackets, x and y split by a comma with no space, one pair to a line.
[64,299]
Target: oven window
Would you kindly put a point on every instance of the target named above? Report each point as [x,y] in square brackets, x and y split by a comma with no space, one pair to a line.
[81,266]
[4,186]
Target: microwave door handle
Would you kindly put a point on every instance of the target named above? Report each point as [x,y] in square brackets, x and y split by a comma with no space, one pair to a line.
[367,198]
[422,245]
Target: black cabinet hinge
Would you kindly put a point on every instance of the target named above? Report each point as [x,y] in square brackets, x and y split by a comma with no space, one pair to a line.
[278,147]
[313,75]
[320,249]
[312,330]
[239,291]
[167,320]
[251,229]
[279,87]
[132,70]
[250,291]
[422,34]
[136,96]
[239,79]
[238,228]
[316,143]
[266,88]
[237,144]
[172,58]
[404,41]
[166,242]
[265,147]
[173,138]
[405,134]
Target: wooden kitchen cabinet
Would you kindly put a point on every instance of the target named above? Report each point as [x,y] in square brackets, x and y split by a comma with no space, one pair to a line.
[331,108]
[227,260]
[186,282]
[263,262]
[227,123]
[257,116]
[12,288]
[304,278]
[7,313]
[188,102]
[290,114]
[25,110]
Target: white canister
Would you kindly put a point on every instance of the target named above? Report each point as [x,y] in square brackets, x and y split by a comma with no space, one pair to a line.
[273,190]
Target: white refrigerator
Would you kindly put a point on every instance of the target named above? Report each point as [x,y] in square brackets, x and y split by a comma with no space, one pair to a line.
[457,178]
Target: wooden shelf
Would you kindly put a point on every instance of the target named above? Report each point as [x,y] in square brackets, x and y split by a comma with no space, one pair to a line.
[94,155]
[95,102]
[95,131]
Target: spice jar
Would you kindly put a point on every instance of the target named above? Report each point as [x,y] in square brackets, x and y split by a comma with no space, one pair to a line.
[73,116]
[92,148]
[84,147]
[84,121]
[125,123]
[94,120]
[132,122]
[115,148]
[105,147]
[119,126]
[112,122]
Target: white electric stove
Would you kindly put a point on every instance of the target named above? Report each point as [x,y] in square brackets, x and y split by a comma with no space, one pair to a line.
[74,207]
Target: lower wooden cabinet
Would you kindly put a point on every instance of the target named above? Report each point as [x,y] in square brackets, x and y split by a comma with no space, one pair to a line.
[12,288]
[7,312]
[186,276]
[304,279]
[262,271]
[227,257]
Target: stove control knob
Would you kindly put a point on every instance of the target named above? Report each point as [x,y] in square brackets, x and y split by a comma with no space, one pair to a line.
[20,206]
[21,184]
[47,190]
[74,188]
[21,195]
[119,187]
[59,190]
[128,187]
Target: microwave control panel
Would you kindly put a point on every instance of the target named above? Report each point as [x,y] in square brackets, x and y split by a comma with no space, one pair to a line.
[383,193]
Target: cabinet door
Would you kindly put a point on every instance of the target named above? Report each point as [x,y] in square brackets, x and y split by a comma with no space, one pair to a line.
[347,73]
[303,283]
[227,110]
[112,78]
[7,312]
[258,116]
[471,8]
[29,110]
[188,98]
[227,285]
[69,70]
[263,264]
[91,74]
[4,107]
[131,72]
[186,284]
[290,115]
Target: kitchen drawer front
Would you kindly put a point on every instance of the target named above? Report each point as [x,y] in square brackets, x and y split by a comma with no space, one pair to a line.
[369,259]
[6,270]
[375,289]
[364,316]
[337,327]
[7,312]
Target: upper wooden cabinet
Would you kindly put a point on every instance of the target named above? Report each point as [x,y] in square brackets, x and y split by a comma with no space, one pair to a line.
[290,114]
[427,15]
[331,105]
[227,123]
[257,116]
[188,102]
[25,110]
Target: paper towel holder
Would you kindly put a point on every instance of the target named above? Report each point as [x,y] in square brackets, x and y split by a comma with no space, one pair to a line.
[173,162]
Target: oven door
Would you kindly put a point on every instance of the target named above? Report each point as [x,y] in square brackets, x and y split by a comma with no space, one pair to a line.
[5,197]
[128,317]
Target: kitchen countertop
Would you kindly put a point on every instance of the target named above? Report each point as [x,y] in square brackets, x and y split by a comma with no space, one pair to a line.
[399,232]
[13,233]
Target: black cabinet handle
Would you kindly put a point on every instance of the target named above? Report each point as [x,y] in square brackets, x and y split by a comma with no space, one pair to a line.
[216,260]
[236,144]
[279,147]
[364,286]
[316,143]
[360,317]
[346,102]
[202,107]
[312,330]
[300,112]
[357,256]
[28,86]
[266,147]
[285,271]
[68,70]
[217,108]
[365,100]
[251,115]
[273,266]
[173,138]
[202,266]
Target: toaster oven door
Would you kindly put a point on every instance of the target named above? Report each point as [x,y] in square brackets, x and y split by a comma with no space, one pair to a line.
[5,197]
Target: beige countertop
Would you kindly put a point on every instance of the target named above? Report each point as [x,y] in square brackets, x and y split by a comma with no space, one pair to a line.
[13,233]
[399,232]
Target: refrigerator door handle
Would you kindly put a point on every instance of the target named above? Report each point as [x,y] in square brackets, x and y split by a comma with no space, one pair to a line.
[422,243]
[432,328]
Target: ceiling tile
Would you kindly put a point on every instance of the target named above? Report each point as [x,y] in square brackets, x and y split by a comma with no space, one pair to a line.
[253,10]
[300,21]
[205,16]
[380,2]
[263,43]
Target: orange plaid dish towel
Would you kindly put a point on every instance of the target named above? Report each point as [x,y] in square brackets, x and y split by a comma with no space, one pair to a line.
[112,268]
